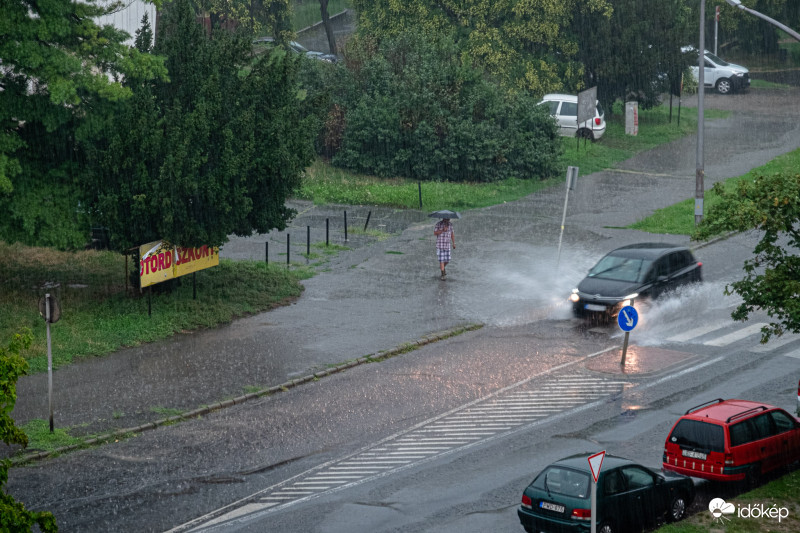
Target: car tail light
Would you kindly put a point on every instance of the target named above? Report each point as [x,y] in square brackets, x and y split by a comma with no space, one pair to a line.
[596,121]
[699,264]
[729,460]
[526,502]
[582,514]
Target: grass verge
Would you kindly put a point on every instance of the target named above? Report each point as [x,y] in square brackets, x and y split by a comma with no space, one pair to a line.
[98,316]
[678,219]
[324,184]
[781,493]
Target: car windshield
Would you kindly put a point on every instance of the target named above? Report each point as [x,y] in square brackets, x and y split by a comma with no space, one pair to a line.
[717,60]
[620,268]
[564,481]
[298,47]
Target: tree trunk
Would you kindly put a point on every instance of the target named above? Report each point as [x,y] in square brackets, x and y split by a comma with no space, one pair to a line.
[326,21]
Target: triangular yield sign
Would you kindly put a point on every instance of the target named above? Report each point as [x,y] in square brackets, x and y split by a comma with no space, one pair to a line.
[595,462]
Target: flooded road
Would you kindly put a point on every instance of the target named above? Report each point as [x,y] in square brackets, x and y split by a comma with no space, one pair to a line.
[380,294]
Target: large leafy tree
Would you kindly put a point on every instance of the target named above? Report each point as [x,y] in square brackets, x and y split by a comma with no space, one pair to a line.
[213,151]
[634,54]
[524,44]
[57,68]
[413,106]
[770,204]
[14,518]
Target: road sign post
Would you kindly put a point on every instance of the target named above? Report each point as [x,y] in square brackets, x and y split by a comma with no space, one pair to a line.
[50,310]
[595,464]
[572,179]
[627,320]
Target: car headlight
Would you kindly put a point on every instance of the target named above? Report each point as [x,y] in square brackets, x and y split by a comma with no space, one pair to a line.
[574,296]
[628,299]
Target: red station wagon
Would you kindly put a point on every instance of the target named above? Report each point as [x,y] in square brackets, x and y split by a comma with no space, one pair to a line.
[732,440]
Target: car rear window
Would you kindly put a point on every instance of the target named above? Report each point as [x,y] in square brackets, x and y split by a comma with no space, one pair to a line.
[565,481]
[700,435]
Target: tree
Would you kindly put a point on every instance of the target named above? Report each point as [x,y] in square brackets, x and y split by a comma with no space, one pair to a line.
[254,16]
[631,55]
[770,204]
[412,106]
[523,44]
[58,69]
[213,151]
[14,518]
[326,21]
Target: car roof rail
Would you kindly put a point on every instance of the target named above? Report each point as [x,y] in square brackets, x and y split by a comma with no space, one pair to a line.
[696,407]
[747,412]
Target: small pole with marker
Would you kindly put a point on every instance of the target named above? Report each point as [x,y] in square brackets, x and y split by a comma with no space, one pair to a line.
[627,319]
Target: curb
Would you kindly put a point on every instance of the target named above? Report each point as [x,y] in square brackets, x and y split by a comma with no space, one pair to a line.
[217,406]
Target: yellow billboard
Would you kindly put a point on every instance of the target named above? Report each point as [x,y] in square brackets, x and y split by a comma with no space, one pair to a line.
[160,261]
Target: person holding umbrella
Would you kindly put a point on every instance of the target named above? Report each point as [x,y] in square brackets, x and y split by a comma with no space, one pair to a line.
[445,237]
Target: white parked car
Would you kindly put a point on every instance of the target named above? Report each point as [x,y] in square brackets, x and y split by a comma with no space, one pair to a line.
[564,108]
[718,74]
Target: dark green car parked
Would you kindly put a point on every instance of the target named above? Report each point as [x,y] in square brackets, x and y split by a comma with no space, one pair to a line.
[630,497]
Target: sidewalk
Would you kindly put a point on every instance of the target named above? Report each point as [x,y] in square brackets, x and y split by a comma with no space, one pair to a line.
[383,295]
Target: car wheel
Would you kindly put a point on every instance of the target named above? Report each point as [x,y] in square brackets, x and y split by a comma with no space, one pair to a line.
[585,133]
[724,86]
[677,509]
[605,528]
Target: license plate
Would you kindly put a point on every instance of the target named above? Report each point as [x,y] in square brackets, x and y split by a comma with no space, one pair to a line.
[694,455]
[552,507]
[594,307]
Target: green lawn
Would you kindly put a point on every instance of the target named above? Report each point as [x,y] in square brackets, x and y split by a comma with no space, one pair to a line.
[781,493]
[678,219]
[99,317]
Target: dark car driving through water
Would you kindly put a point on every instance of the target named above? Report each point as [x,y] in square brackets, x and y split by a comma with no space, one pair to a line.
[644,270]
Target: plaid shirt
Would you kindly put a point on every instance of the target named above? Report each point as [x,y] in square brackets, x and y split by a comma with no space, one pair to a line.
[443,239]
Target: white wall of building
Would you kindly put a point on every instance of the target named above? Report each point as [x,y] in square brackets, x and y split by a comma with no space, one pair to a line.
[129,18]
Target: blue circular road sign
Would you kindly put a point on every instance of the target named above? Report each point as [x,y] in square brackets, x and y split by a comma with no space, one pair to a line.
[627,318]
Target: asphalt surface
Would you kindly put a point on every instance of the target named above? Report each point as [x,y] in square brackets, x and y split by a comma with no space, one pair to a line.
[384,290]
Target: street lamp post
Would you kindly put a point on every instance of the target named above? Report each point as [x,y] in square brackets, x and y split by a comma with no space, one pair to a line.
[701,87]
[738,3]
[700,169]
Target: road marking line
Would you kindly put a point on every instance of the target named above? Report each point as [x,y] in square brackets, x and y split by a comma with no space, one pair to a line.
[795,354]
[736,335]
[697,332]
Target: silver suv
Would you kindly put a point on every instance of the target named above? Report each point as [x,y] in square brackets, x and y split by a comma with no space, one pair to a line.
[718,74]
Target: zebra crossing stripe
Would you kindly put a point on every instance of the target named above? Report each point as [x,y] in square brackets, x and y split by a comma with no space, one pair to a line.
[736,335]
[698,332]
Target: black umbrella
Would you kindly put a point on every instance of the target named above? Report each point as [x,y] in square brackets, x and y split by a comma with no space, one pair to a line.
[445,213]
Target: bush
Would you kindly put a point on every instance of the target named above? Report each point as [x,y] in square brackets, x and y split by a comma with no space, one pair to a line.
[13,515]
[415,108]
